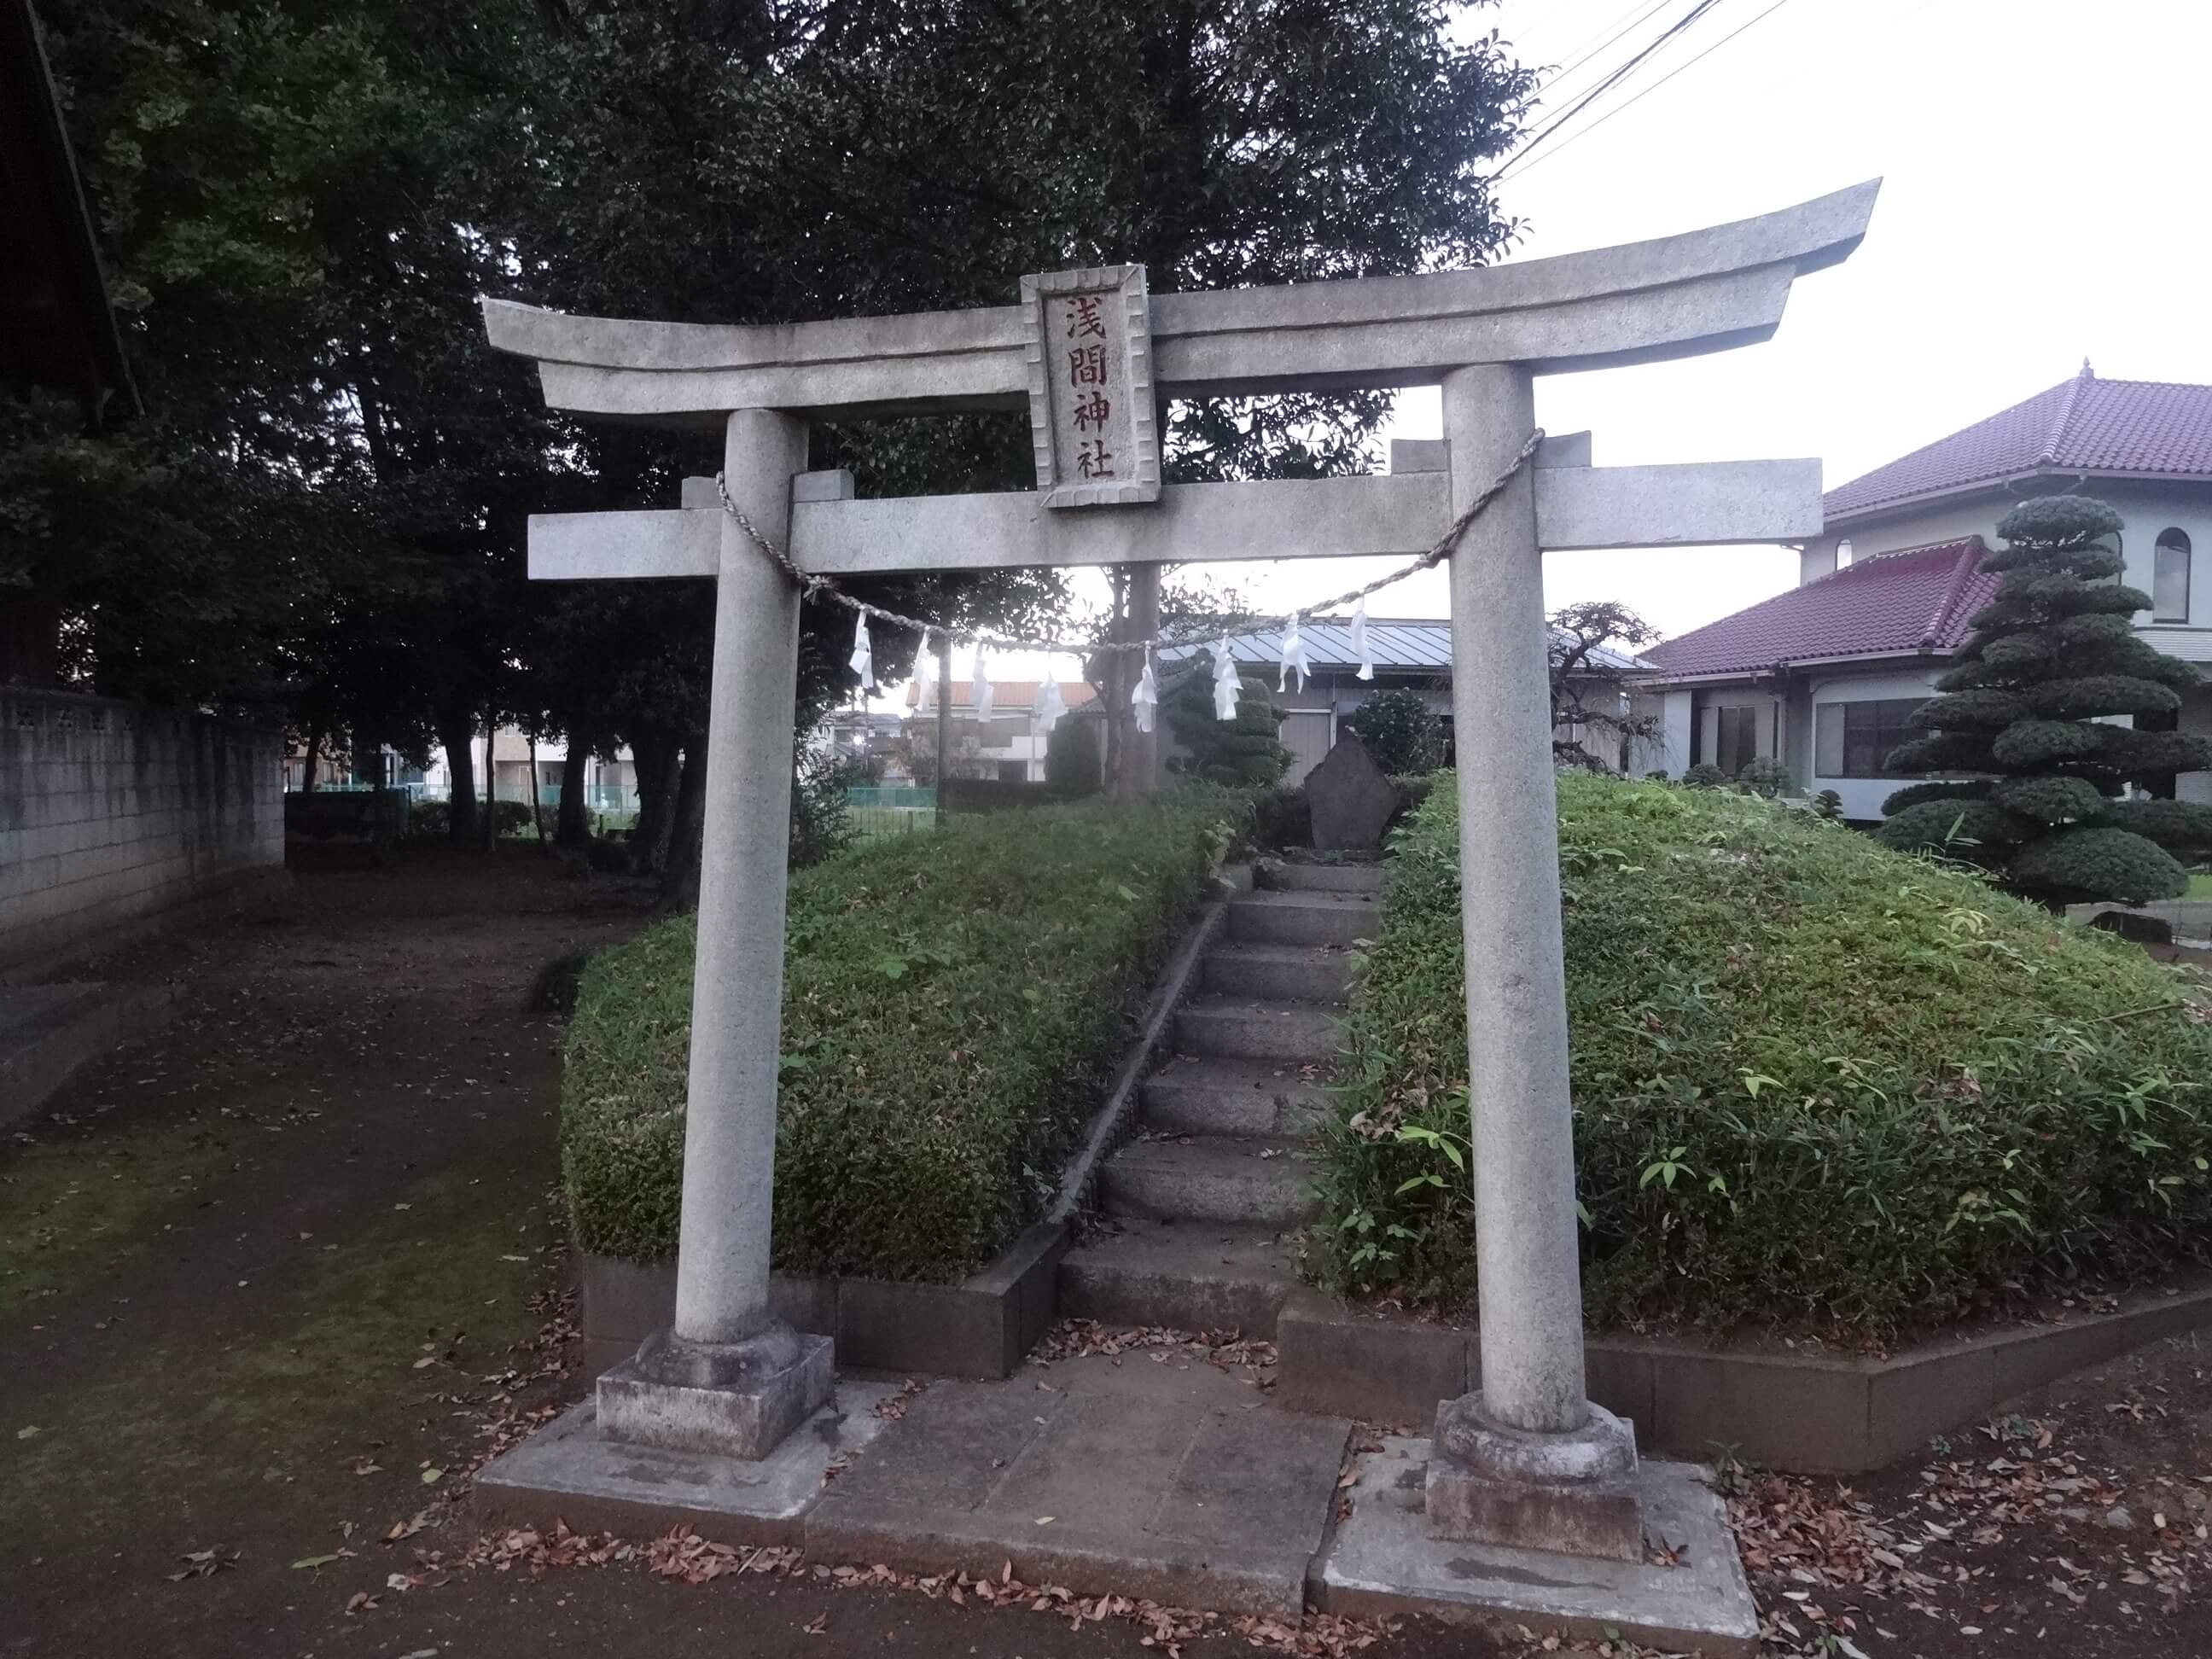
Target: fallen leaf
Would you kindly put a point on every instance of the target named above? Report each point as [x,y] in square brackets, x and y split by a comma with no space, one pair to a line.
[313,1561]
[430,1477]
[26,1433]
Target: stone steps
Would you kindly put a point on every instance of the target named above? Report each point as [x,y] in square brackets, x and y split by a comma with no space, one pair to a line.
[1244,1028]
[1304,918]
[1251,1179]
[1322,878]
[1192,1275]
[1211,1096]
[1281,973]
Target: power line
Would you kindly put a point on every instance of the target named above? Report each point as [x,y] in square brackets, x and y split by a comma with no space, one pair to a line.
[1516,167]
[1696,11]
[1591,47]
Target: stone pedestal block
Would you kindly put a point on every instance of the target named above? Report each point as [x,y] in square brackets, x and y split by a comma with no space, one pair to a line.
[1572,1493]
[733,1399]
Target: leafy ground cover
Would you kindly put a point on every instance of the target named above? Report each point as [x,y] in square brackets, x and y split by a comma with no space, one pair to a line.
[951,1003]
[1815,1081]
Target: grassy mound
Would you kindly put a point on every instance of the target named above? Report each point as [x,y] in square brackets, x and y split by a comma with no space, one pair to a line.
[1815,1079]
[951,1003]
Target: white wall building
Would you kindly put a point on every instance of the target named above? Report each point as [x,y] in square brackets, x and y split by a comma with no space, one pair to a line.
[1822,677]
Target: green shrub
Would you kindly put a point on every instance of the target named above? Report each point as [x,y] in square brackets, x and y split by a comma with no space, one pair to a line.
[952,1004]
[1815,1080]
[1767,779]
[1705,776]
[1247,752]
[1401,731]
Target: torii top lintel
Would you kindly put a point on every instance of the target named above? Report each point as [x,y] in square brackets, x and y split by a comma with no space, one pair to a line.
[1704,291]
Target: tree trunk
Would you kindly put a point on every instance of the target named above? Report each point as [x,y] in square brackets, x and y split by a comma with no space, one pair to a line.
[537,805]
[456,731]
[491,778]
[314,762]
[679,875]
[575,825]
[656,752]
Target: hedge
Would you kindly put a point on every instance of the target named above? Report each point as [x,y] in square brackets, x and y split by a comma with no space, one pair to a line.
[952,1003]
[1815,1081]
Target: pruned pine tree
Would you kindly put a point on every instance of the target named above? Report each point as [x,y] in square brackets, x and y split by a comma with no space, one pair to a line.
[2024,711]
[1240,752]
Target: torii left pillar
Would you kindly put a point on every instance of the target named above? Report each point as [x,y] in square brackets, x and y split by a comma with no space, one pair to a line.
[728,1376]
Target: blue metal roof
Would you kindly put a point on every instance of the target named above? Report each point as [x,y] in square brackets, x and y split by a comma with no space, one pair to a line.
[1401,645]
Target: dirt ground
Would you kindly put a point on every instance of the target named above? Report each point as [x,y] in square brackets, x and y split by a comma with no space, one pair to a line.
[274,1279]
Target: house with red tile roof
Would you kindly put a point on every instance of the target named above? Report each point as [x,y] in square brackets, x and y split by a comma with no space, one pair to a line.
[1822,678]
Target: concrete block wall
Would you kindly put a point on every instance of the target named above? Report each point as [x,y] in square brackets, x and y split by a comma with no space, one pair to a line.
[110,812]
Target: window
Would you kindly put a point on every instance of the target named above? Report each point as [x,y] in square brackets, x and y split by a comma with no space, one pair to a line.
[1852,740]
[1013,772]
[2169,581]
[1738,742]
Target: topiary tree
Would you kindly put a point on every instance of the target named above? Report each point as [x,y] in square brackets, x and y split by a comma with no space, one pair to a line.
[1244,751]
[1404,734]
[2055,650]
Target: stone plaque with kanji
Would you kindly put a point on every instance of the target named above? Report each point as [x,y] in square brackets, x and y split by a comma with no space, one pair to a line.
[1090,353]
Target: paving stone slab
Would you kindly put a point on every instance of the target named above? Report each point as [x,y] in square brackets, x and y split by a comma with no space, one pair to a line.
[1382,1560]
[1212,1095]
[1191,1275]
[1142,1492]
[1255,1180]
[567,1472]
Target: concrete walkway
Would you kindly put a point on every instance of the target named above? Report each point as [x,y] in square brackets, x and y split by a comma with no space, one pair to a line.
[1196,1209]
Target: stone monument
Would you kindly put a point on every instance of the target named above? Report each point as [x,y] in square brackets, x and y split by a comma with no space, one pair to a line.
[1527,1459]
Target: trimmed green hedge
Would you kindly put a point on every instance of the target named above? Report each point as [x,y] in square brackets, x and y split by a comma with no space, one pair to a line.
[1815,1079]
[952,1003]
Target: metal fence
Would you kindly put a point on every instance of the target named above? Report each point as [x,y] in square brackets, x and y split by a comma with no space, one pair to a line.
[877,811]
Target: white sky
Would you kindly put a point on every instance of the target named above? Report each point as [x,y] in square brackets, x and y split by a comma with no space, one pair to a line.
[2043,200]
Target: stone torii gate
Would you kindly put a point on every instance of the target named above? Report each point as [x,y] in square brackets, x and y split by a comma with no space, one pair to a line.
[1527,1459]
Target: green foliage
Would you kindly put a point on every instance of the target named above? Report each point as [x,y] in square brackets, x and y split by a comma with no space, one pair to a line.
[952,1004]
[1282,817]
[1815,1081]
[1828,804]
[2051,656]
[1954,827]
[1242,753]
[1401,731]
[821,811]
[1913,794]
[2088,862]
[1705,776]
[1074,757]
[2049,799]
[2168,822]
[1766,778]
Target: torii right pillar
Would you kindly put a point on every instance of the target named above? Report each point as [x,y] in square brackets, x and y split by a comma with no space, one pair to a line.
[1525,1459]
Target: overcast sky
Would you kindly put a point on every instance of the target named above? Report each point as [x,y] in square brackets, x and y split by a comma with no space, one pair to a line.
[2043,200]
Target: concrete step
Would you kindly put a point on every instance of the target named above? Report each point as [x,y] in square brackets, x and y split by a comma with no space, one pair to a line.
[1192,1095]
[1321,878]
[1256,1180]
[1304,918]
[1240,1028]
[1279,973]
[1192,1275]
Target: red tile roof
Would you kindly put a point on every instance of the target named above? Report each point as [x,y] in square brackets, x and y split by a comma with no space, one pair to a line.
[2081,425]
[1914,600]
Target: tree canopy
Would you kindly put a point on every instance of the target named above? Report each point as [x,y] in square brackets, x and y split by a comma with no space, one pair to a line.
[322,514]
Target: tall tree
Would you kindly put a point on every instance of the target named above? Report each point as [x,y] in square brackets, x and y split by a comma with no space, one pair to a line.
[2051,656]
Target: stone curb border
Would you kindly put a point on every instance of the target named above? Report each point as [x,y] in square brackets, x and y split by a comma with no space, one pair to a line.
[1808,1414]
[980,1327]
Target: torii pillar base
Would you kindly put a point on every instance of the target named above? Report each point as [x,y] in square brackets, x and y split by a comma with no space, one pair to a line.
[1574,1493]
[727,1399]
